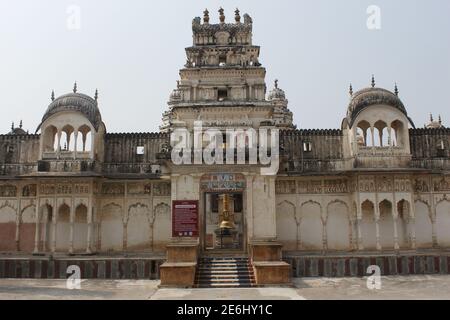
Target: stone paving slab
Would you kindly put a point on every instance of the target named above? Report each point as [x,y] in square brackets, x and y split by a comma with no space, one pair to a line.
[393,287]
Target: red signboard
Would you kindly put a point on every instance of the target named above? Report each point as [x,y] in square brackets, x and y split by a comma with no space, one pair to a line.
[185,218]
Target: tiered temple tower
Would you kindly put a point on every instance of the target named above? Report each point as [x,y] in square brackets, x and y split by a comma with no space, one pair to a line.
[223,82]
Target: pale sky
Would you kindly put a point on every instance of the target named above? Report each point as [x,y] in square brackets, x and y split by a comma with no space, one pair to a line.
[132,51]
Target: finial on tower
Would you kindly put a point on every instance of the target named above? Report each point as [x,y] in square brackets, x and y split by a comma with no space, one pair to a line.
[237,16]
[20,124]
[221,15]
[373,81]
[396,89]
[75,87]
[276,83]
[350,90]
[12,126]
[206,16]
[53,95]
[440,120]
[431,117]
[96,94]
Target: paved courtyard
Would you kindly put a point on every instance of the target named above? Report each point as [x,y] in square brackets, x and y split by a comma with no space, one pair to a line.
[393,287]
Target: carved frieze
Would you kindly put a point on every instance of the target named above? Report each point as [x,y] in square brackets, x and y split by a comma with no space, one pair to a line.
[29,190]
[81,188]
[8,190]
[113,188]
[335,186]
[421,185]
[139,188]
[285,187]
[402,185]
[161,189]
[366,184]
[384,184]
[312,186]
[441,184]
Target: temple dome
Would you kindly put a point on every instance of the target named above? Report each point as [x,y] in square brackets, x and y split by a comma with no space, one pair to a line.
[434,124]
[373,96]
[276,93]
[75,102]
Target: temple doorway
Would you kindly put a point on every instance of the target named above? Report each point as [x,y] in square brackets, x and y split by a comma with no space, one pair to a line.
[224,225]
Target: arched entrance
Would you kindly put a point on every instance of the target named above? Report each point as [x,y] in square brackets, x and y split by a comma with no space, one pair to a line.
[222,221]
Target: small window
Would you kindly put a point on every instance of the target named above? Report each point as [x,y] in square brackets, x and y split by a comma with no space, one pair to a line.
[222,60]
[307,146]
[140,150]
[222,94]
[441,145]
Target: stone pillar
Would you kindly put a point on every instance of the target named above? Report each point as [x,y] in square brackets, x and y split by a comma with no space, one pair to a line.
[44,233]
[72,221]
[324,236]
[372,136]
[395,219]
[377,225]
[249,205]
[58,148]
[352,225]
[93,137]
[433,225]
[412,226]
[75,135]
[389,136]
[396,245]
[18,221]
[358,226]
[54,231]
[36,234]
[125,236]
[89,230]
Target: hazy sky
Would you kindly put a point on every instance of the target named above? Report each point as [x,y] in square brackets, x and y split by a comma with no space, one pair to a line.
[132,51]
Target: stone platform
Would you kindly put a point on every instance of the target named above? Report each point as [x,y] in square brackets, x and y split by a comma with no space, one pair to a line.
[356,265]
[97,267]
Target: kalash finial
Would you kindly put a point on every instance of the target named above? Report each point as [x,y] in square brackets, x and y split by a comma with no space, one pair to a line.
[96,94]
[396,89]
[206,16]
[237,16]
[53,95]
[276,83]
[350,90]
[221,15]
[75,87]
[20,124]
[440,120]
[12,126]
[373,81]
[431,117]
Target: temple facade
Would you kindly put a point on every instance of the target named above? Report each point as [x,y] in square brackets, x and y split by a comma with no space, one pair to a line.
[376,184]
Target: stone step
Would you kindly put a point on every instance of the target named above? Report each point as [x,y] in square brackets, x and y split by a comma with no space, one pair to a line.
[224,272]
[223,269]
[230,280]
[226,285]
[225,276]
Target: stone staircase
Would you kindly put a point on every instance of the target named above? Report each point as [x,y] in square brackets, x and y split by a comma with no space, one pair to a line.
[224,272]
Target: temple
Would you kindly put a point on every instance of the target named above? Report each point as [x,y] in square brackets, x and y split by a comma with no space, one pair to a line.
[375,189]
